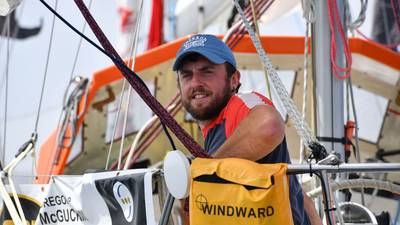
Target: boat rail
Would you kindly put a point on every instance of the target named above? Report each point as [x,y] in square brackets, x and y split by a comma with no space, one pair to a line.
[348,167]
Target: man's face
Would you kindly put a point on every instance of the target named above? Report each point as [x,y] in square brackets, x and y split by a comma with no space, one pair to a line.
[205,88]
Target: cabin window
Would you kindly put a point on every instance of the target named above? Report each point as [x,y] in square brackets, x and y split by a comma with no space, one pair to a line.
[76,148]
[138,114]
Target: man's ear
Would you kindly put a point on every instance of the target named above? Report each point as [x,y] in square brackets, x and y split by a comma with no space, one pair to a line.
[235,81]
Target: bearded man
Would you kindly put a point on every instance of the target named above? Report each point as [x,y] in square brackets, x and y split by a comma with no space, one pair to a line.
[244,125]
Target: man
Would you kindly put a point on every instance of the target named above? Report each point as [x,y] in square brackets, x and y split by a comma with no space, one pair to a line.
[234,125]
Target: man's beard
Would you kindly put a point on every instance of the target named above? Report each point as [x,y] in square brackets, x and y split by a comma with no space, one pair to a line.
[213,109]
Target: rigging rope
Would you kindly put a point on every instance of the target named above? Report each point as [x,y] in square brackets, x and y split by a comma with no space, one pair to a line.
[45,70]
[142,89]
[255,23]
[253,12]
[335,21]
[71,104]
[4,32]
[115,125]
[133,52]
[353,25]
[134,80]
[35,131]
[237,31]
[254,17]
[308,10]
[65,105]
[3,153]
[71,109]
[391,110]
[310,17]
[301,126]
[128,94]
[79,44]
[305,87]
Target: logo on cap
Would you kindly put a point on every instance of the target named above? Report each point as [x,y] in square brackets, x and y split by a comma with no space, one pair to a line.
[194,41]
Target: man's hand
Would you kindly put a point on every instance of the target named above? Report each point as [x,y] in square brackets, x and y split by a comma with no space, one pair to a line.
[256,136]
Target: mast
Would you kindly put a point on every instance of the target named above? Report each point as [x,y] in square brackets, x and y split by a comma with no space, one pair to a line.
[328,90]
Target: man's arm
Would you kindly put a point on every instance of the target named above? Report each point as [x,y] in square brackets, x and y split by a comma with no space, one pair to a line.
[256,135]
[311,211]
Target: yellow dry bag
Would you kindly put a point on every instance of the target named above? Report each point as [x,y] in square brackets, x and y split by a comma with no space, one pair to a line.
[237,191]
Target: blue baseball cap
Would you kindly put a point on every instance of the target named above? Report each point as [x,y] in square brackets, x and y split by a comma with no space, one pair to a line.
[208,46]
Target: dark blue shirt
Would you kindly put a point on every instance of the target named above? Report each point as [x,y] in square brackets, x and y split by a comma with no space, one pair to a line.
[224,125]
